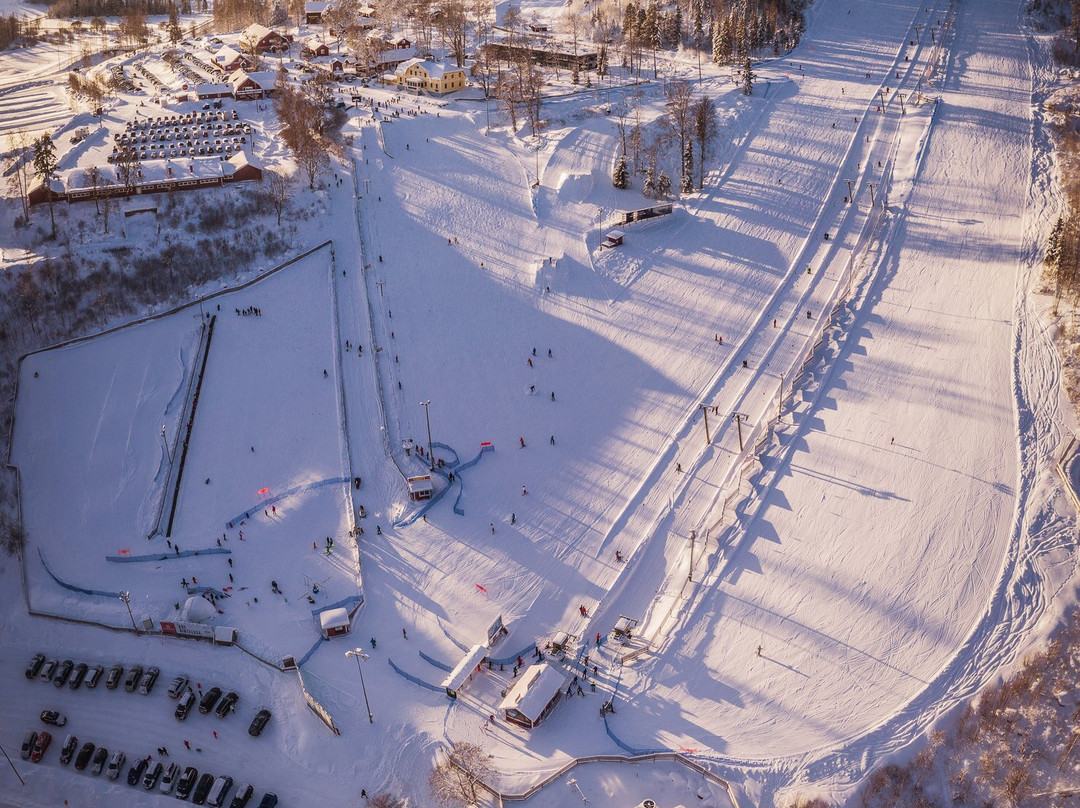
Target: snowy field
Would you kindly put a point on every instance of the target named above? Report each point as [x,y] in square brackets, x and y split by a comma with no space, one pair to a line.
[894,546]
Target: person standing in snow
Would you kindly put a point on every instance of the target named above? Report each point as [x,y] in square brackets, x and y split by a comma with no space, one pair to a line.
[524,491]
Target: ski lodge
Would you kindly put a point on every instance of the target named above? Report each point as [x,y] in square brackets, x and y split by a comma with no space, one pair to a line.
[534,695]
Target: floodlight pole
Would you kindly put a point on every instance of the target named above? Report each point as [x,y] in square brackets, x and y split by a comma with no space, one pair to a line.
[165,440]
[738,416]
[427,416]
[705,412]
[358,654]
[12,765]
[126,597]
[850,194]
[870,185]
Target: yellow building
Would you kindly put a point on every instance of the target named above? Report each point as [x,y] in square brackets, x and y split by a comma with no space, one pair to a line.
[432,77]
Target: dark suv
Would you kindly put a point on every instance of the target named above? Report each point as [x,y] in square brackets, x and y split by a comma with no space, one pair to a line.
[209,699]
[186,782]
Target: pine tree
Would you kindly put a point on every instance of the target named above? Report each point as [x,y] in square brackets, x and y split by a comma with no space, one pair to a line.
[688,168]
[620,178]
[663,186]
[44,168]
[575,77]
[748,78]
[649,186]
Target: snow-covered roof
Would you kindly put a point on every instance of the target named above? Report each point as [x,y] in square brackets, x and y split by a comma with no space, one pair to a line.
[241,159]
[316,6]
[465,668]
[264,79]
[534,690]
[227,55]
[212,89]
[255,33]
[434,70]
[334,618]
[394,55]
[197,609]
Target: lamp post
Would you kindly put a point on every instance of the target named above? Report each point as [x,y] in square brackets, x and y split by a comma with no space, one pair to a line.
[358,654]
[427,417]
[165,440]
[126,597]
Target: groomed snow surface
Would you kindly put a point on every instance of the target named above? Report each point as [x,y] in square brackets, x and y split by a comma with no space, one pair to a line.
[892,550]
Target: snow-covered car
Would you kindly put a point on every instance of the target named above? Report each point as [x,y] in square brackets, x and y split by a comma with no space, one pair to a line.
[48,670]
[227,704]
[186,782]
[219,792]
[34,668]
[116,765]
[150,779]
[93,676]
[53,717]
[131,681]
[28,744]
[77,674]
[84,756]
[146,684]
[258,723]
[63,672]
[116,674]
[67,751]
[242,796]
[177,686]
[41,743]
[209,699]
[168,778]
[97,764]
[135,773]
[183,707]
[202,789]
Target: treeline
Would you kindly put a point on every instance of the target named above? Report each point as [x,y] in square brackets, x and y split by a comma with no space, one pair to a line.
[13,29]
[110,8]
[232,15]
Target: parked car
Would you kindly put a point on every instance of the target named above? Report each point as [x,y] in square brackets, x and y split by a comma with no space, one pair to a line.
[183,707]
[28,744]
[63,672]
[186,782]
[84,756]
[219,791]
[178,686]
[48,670]
[34,668]
[227,704]
[77,676]
[209,699]
[242,795]
[258,723]
[206,782]
[135,773]
[93,676]
[116,765]
[116,673]
[131,681]
[168,779]
[97,764]
[146,684]
[150,779]
[53,717]
[41,743]
[269,800]
[67,751]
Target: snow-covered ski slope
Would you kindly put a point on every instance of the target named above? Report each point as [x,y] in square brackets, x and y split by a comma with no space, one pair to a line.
[894,549]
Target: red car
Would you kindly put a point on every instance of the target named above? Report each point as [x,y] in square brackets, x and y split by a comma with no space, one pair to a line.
[40,745]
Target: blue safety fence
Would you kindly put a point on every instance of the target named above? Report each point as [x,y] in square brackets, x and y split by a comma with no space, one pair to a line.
[310,651]
[415,679]
[458,468]
[352,603]
[124,559]
[434,661]
[73,587]
[297,489]
[512,660]
[633,750]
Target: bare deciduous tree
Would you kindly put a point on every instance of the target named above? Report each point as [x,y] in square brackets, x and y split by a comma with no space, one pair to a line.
[456,780]
[277,190]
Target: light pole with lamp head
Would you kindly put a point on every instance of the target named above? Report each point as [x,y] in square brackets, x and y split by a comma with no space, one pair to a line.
[427,416]
[358,654]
